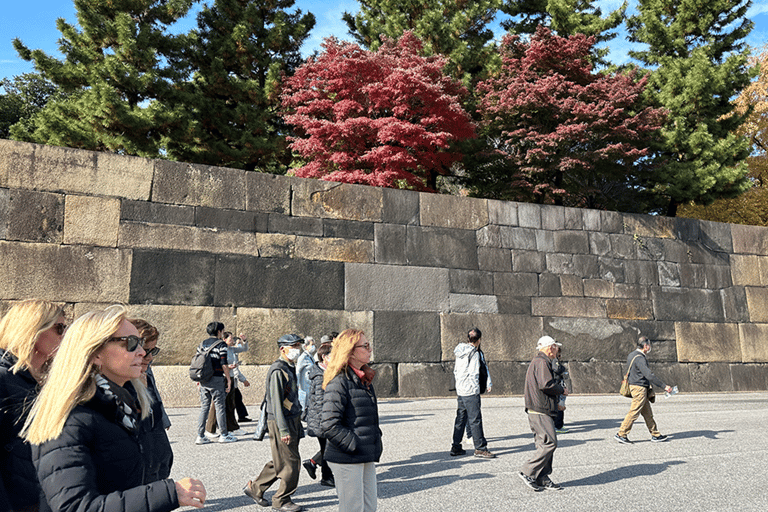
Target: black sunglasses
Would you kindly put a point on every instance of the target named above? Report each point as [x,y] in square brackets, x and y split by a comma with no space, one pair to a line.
[152,352]
[131,342]
[60,328]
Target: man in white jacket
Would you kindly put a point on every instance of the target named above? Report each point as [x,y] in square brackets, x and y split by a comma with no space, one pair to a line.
[472,379]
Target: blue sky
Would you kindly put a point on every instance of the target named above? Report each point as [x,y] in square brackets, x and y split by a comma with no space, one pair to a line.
[34,22]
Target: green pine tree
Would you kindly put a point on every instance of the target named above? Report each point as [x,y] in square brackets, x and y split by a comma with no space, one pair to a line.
[119,70]
[700,63]
[241,49]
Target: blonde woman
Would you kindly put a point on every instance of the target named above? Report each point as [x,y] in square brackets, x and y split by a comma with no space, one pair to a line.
[30,333]
[89,429]
[350,422]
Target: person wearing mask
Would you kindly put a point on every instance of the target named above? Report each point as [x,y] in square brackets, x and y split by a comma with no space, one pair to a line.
[87,403]
[284,426]
[30,334]
[303,365]
[350,422]
[314,415]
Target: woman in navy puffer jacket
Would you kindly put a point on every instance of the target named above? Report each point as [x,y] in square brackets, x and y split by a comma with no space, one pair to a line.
[350,422]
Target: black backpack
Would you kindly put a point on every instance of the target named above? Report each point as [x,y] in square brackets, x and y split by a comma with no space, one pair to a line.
[483,373]
[201,368]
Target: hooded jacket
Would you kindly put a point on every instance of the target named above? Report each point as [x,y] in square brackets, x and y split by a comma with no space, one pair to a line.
[466,370]
[541,386]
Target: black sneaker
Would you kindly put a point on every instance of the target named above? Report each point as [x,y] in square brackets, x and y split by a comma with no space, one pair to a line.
[455,452]
[659,438]
[622,439]
[311,468]
[328,482]
[549,485]
[530,482]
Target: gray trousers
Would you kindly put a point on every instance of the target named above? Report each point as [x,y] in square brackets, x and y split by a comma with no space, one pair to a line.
[539,467]
[214,389]
[355,486]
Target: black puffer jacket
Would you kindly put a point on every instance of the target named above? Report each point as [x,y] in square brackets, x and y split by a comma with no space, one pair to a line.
[315,407]
[160,454]
[18,480]
[350,420]
[98,465]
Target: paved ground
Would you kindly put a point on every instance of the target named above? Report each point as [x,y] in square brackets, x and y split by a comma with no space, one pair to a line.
[715,459]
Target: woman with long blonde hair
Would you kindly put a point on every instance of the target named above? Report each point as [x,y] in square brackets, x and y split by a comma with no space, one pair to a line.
[88,427]
[350,422]
[30,333]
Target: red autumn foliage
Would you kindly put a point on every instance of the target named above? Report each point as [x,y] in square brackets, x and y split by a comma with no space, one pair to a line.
[385,118]
[562,133]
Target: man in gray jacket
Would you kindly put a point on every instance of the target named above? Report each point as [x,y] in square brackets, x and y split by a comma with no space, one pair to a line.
[640,379]
[541,392]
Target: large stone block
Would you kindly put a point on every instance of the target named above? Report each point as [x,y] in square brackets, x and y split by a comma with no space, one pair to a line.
[687,229]
[716,236]
[441,247]
[407,337]
[673,374]
[4,199]
[749,377]
[669,273]
[649,226]
[331,200]
[471,281]
[545,241]
[35,216]
[610,269]
[454,212]
[336,228]
[611,222]
[515,283]
[264,326]
[599,243]
[549,285]
[745,270]
[591,220]
[708,342]
[574,219]
[623,247]
[692,275]
[568,307]
[503,213]
[279,283]
[507,377]
[172,277]
[218,218]
[505,337]
[91,220]
[754,349]
[560,263]
[421,380]
[469,303]
[586,266]
[709,377]
[334,249]
[757,302]
[587,339]
[385,380]
[552,217]
[595,377]
[749,239]
[187,238]
[518,238]
[675,251]
[288,225]
[494,260]
[529,215]
[267,193]
[571,286]
[198,185]
[528,261]
[650,249]
[735,304]
[158,213]
[508,305]
[631,291]
[627,309]
[275,245]
[53,168]
[395,288]
[489,236]
[641,272]
[64,273]
[400,206]
[572,242]
[599,288]
[389,244]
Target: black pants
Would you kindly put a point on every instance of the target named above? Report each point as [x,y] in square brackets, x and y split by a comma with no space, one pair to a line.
[242,412]
[468,415]
[319,458]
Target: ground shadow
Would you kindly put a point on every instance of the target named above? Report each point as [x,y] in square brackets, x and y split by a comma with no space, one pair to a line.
[401,418]
[390,489]
[709,434]
[592,424]
[423,464]
[228,503]
[623,473]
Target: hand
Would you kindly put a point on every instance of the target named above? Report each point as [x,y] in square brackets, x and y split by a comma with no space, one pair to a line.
[227,388]
[668,389]
[246,383]
[566,392]
[191,492]
[488,390]
[286,439]
[242,336]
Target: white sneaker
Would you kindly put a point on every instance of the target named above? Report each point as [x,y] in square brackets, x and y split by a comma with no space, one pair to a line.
[211,435]
[238,432]
[229,438]
[202,440]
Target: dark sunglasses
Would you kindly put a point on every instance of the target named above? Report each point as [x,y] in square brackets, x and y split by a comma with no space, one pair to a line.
[152,352]
[131,342]
[60,328]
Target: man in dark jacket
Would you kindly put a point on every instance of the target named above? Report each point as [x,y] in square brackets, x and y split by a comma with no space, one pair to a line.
[640,379]
[284,425]
[541,392]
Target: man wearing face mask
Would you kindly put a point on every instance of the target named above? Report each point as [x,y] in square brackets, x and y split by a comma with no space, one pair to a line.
[284,424]
[640,379]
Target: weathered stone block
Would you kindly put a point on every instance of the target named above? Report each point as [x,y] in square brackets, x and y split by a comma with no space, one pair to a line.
[675,251]
[505,337]
[35,216]
[453,212]
[218,218]
[641,272]
[441,247]
[572,286]
[754,349]
[334,228]
[572,242]
[598,288]
[549,285]
[692,275]
[503,213]
[599,243]
[198,185]
[334,249]
[669,273]
[279,283]
[745,270]
[586,266]
[469,303]
[4,199]
[757,301]
[274,245]
[91,220]
[552,217]
[762,262]
[518,238]
[560,263]
[186,238]
[400,206]
[735,304]
[708,342]
[64,273]
[288,225]
[592,219]
[471,281]
[690,304]
[172,277]
[507,377]
[395,288]
[330,200]
[385,380]
[710,377]
[716,236]
[545,241]
[650,249]
[610,269]
[158,213]
[673,374]
[424,380]
[494,260]
[649,226]
[623,247]
[53,168]
[489,236]
[267,193]
[389,244]
[407,337]
[528,261]
[595,377]
[700,254]
[574,219]
[529,215]
[508,305]
[518,284]
[631,291]
[568,307]
[749,377]
[687,229]
[749,239]
[587,339]
[627,309]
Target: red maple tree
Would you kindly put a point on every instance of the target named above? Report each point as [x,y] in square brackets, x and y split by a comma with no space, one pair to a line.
[560,132]
[385,118]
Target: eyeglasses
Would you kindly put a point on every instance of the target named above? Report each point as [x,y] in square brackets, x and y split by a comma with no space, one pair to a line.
[153,352]
[131,342]
[60,328]
[366,346]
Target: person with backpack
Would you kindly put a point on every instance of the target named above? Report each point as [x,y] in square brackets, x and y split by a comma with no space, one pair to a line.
[209,367]
[472,379]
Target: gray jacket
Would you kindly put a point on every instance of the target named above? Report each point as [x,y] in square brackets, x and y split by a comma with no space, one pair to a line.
[639,372]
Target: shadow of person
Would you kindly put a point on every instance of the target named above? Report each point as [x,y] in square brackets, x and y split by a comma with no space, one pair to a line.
[709,434]
[228,503]
[623,473]
[390,489]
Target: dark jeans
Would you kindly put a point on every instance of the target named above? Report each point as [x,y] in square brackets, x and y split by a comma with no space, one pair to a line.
[468,415]
[213,391]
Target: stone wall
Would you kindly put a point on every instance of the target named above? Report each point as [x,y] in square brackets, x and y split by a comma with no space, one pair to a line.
[187,244]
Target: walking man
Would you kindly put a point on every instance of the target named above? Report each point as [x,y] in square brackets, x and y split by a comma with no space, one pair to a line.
[472,379]
[283,423]
[216,388]
[640,379]
[541,393]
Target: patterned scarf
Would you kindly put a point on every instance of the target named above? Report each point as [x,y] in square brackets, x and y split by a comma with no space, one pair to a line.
[125,415]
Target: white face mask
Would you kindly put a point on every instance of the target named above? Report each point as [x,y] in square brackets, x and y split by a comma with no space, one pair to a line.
[293,354]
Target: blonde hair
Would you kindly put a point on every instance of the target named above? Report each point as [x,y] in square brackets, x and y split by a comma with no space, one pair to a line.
[71,379]
[341,351]
[21,327]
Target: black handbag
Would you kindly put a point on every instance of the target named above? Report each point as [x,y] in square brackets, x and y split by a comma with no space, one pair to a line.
[261,425]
